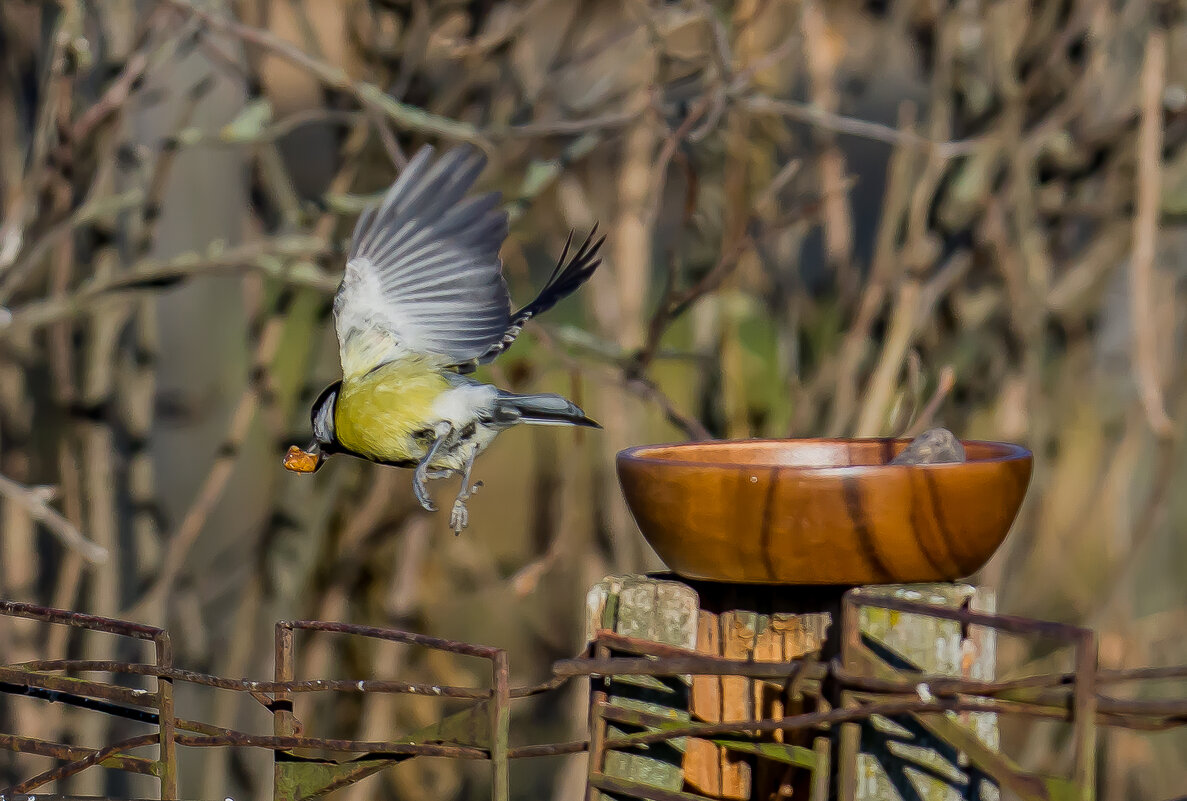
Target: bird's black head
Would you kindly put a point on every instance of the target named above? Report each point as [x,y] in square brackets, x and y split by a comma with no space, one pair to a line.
[325,439]
[322,416]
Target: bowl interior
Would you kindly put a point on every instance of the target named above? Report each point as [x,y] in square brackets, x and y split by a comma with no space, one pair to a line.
[808,453]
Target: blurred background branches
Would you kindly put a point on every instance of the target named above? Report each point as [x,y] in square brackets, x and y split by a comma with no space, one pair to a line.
[846,218]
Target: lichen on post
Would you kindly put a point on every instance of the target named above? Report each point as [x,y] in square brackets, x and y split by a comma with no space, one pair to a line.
[909,757]
[658,611]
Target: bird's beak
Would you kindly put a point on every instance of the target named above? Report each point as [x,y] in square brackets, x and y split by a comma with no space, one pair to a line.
[304,461]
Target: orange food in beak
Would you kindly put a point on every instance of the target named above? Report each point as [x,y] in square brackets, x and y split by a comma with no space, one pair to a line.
[299,461]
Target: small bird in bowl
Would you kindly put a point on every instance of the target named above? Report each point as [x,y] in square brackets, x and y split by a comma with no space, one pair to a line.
[422,303]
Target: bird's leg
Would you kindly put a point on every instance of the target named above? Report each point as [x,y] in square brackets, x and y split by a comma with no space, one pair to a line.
[459,518]
[422,475]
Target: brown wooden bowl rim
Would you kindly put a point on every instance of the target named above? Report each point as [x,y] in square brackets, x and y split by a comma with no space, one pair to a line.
[1009,452]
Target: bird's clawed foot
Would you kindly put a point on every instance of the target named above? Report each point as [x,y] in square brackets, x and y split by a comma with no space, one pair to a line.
[459,518]
[420,479]
[420,485]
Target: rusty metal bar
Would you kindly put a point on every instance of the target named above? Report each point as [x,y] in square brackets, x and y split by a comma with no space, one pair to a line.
[79,620]
[849,737]
[1055,704]
[394,635]
[197,727]
[283,719]
[564,670]
[1161,708]
[94,689]
[241,685]
[372,749]
[168,750]
[1084,705]
[555,683]
[550,749]
[822,773]
[500,734]
[32,745]
[849,744]
[641,647]
[1141,724]
[1009,623]
[705,664]
[686,665]
[597,726]
[1067,679]
[183,724]
[1139,674]
[807,720]
[78,765]
[945,684]
[32,690]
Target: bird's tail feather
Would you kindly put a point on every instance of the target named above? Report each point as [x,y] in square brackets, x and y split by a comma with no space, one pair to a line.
[545,409]
[567,276]
[570,273]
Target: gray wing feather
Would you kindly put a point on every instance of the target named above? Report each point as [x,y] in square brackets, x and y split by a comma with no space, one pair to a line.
[424,275]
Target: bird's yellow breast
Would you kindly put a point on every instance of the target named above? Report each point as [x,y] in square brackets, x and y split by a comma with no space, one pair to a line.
[379,414]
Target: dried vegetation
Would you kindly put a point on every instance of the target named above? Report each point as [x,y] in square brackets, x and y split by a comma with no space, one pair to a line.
[824,218]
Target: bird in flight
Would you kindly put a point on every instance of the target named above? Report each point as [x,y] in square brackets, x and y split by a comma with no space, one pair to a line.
[422,303]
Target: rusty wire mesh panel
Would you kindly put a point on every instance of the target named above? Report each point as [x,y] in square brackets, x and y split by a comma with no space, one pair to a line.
[867,685]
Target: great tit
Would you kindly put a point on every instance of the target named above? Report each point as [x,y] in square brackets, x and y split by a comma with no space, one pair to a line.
[421,304]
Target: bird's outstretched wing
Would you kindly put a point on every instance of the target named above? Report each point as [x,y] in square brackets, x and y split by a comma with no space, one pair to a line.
[424,276]
[569,273]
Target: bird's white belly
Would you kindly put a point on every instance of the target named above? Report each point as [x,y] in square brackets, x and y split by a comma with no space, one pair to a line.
[461,405]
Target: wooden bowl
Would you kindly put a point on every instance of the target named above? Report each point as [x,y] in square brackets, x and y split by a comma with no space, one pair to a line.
[822,511]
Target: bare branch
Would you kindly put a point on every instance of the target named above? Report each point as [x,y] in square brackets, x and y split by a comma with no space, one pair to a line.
[811,115]
[368,95]
[1145,233]
[35,501]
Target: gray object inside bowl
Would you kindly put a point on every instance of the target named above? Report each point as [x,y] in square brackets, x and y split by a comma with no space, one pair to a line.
[934,446]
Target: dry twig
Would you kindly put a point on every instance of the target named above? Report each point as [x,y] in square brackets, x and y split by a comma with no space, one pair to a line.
[35,500]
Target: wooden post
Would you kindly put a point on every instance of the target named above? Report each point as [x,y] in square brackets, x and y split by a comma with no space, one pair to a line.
[881,759]
[877,761]
[714,619]
[658,611]
[736,634]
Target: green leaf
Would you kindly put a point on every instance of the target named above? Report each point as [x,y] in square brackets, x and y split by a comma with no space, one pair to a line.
[250,123]
[791,754]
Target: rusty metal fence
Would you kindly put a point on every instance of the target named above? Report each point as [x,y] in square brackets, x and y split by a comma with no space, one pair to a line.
[844,694]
